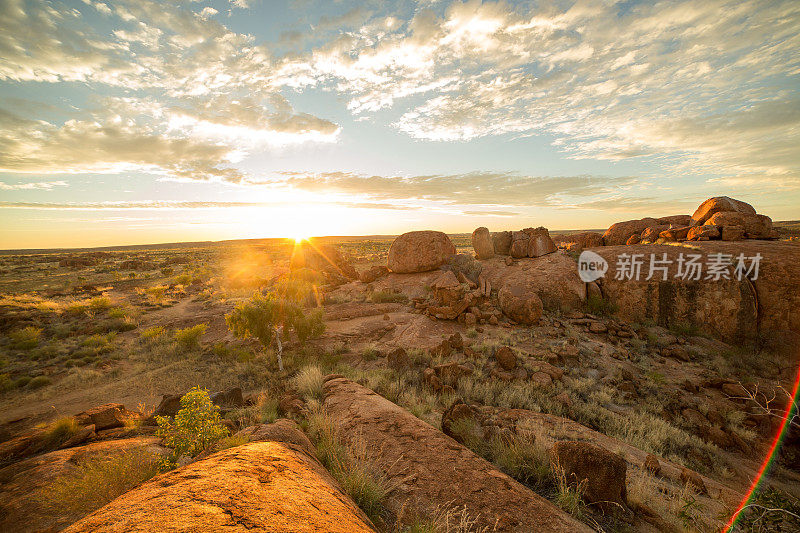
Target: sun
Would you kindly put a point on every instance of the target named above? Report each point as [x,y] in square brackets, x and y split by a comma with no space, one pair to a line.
[300,238]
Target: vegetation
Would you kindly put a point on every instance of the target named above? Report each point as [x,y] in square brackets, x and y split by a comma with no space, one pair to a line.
[264,317]
[189,338]
[197,424]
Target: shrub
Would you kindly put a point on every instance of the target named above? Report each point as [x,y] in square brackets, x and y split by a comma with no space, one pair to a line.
[189,338]
[197,424]
[59,431]
[182,279]
[99,303]
[597,305]
[26,338]
[308,382]
[96,481]
[38,382]
[152,334]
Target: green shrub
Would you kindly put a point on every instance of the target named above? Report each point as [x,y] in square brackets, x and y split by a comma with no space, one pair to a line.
[26,338]
[189,338]
[96,481]
[152,334]
[182,279]
[597,305]
[38,382]
[99,303]
[197,424]
[6,383]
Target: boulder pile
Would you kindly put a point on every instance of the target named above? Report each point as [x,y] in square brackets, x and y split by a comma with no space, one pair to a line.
[529,242]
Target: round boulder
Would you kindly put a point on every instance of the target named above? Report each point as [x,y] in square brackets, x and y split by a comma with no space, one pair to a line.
[482,243]
[520,303]
[720,204]
[419,251]
[602,472]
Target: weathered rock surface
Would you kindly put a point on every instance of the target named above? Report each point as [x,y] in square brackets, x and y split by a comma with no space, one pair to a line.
[518,302]
[755,226]
[719,204]
[110,415]
[585,239]
[502,242]
[419,251]
[260,486]
[620,232]
[432,471]
[724,308]
[553,278]
[482,243]
[22,509]
[602,472]
[282,430]
[373,273]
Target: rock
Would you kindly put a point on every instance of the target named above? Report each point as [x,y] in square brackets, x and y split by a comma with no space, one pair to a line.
[419,251]
[282,430]
[720,204]
[398,359]
[676,220]
[722,308]
[676,352]
[470,319]
[505,358]
[110,415]
[501,241]
[703,233]
[595,326]
[456,341]
[83,434]
[443,349]
[448,373]
[652,465]
[693,479]
[23,510]
[458,411]
[586,239]
[651,233]
[430,378]
[260,486]
[633,239]
[432,472]
[675,234]
[519,303]
[289,404]
[542,379]
[482,243]
[322,258]
[620,232]
[732,233]
[169,406]
[373,273]
[603,471]
[519,244]
[539,242]
[755,226]
[229,399]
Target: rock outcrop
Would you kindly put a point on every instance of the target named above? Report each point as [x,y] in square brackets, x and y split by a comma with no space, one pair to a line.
[620,232]
[602,473]
[719,204]
[432,471]
[502,242]
[482,243]
[419,251]
[579,241]
[260,486]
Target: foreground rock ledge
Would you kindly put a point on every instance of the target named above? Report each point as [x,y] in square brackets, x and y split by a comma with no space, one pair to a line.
[432,471]
[261,486]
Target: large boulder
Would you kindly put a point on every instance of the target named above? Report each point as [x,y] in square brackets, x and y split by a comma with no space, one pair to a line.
[25,501]
[419,251]
[502,242]
[553,278]
[282,430]
[519,244]
[110,415]
[601,472]
[482,243]
[539,242]
[518,302]
[372,273]
[720,204]
[581,240]
[620,232]
[755,226]
[433,472]
[676,220]
[260,486]
[730,309]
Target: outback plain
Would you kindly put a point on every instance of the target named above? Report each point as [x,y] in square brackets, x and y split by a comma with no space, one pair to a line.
[420,383]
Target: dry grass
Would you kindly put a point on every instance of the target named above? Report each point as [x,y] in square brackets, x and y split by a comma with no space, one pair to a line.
[308,382]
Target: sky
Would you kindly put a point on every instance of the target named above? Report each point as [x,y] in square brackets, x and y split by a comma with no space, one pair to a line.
[133,121]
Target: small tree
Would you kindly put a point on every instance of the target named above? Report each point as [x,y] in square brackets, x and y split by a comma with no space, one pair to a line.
[265,317]
[197,425]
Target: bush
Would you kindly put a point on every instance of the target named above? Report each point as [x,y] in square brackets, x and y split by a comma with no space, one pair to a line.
[189,338]
[152,334]
[58,432]
[26,338]
[597,305]
[38,382]
[197,424]
[308,382]
[96,481]
[99,303]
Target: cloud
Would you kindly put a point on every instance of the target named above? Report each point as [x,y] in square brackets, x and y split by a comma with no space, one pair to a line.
[475,188]
[39,185]
[695,87]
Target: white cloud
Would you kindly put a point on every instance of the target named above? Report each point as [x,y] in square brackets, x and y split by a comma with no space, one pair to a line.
[29,186]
